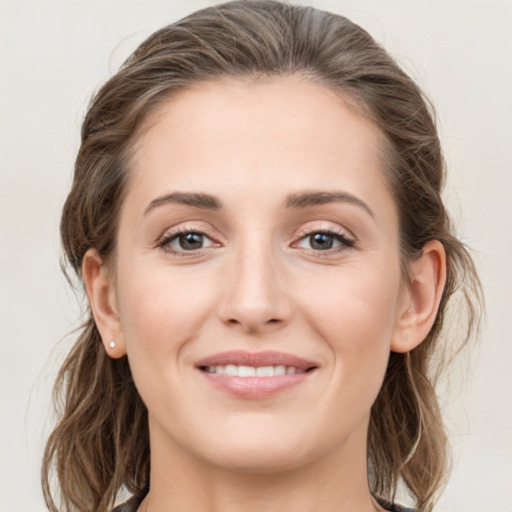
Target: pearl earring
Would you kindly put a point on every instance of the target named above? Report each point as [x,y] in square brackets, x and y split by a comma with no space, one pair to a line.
[112,344]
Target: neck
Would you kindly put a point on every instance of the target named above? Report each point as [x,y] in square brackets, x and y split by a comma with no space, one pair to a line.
[335,482]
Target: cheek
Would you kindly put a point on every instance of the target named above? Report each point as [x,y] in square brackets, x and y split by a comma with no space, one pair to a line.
[351,303]
[356,313]
[161,310]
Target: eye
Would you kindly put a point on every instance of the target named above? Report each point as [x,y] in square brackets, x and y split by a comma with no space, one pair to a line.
[325,241]
[186,242]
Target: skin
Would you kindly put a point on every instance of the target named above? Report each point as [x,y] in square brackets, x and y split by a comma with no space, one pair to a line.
[259,284]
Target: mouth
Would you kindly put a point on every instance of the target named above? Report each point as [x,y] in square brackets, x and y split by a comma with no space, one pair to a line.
[255,375]
[254,371]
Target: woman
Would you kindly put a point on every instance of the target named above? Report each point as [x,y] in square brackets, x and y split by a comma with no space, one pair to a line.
[257,220]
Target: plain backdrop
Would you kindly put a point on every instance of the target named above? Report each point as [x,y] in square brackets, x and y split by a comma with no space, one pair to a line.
[55,53]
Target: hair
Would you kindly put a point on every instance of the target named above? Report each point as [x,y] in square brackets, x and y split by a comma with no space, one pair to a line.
[100,445]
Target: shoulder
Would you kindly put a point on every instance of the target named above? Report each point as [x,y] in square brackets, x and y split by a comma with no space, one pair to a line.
[392,507]
[126,507]
[129,506]
[134,502]
[398,508]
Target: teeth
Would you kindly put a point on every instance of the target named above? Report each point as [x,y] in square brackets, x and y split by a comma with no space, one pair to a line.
[265,371]
[280,369]
[251,371]
[245,371]
[231,369]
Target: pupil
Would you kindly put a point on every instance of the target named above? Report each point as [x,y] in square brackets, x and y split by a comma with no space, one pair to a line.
[321,241]
[191,241]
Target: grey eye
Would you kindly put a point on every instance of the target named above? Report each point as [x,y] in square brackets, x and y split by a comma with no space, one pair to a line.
[321,241]
[191,241]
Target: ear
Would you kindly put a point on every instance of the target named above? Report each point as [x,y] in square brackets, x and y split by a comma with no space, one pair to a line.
[100,287]
[419,308]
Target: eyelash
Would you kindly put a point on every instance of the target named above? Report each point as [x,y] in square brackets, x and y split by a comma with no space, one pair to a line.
[345,242]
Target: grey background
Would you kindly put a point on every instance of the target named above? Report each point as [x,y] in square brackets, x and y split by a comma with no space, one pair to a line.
[54,54]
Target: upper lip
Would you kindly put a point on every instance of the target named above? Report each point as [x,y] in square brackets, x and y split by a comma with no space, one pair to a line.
[256,359]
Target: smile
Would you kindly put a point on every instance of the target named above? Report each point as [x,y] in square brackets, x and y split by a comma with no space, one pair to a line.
[257,375]
[252,371]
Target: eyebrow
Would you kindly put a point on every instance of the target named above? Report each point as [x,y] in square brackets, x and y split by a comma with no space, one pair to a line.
[297,200]
[314,198]
[196,199]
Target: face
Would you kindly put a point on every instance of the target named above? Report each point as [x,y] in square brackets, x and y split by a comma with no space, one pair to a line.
[257,274]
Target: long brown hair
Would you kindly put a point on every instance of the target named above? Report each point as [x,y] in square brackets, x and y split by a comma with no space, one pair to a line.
[100,445]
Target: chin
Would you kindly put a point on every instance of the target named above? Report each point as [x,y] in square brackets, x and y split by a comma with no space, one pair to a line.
[244,447]
[262,449]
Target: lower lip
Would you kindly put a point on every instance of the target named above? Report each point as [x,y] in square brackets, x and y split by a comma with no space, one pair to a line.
[255,388]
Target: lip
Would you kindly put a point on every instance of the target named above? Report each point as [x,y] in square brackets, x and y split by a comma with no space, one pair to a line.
[255,388]
[265,358]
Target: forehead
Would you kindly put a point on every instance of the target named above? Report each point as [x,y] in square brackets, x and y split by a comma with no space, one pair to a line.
[231,134]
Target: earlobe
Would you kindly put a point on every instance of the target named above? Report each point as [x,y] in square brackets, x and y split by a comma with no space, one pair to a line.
[419,311]
[100,290]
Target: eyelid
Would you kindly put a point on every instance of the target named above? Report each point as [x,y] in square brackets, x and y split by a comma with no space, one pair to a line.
[326,227]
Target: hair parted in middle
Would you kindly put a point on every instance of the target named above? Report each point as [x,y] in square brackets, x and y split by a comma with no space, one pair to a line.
[101,443]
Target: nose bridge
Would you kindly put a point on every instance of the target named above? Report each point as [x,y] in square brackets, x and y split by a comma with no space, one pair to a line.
[254,297]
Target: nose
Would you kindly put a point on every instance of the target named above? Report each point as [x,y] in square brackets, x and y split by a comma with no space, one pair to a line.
[254,296]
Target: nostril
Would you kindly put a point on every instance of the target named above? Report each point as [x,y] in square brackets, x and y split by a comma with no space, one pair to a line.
[255,325]
[234,321]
